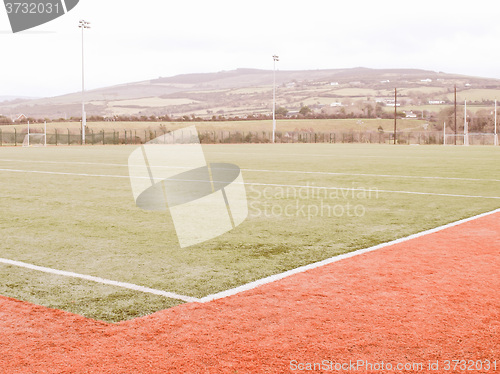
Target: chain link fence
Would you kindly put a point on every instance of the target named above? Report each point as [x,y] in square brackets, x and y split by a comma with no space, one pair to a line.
[13,137]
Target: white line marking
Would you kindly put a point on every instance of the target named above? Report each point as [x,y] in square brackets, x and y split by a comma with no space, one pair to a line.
[369,175]
[372,190]
[61,173]
[91,278]
[268,171]
[302,269]
[344,156]
[245,287]
[63,162]
[265,184]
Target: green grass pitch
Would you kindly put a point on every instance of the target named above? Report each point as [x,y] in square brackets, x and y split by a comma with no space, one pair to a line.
[89,224]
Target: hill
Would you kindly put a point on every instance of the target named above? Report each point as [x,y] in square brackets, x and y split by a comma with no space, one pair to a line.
[243,92]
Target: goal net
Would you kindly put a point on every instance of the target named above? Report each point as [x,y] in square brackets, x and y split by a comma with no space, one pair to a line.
[481,138]
[470,139]
[35,140]
[452,139]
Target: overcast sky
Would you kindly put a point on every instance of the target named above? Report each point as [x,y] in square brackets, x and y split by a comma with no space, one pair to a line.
[133,41]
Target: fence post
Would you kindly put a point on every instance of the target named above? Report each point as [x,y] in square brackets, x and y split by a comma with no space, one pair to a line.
[93,139]
[103,137]
[145,136]
[15,137]
[125,137]
[69,140]
[1,138]
[56,135]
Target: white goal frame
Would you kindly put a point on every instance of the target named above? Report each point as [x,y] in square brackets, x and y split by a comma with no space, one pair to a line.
[27,139]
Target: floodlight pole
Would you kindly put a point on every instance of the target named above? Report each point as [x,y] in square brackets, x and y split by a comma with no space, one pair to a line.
[455,114]
[83,25]
[466,127]
[444,133]
[275,58]
[395,112]
[496,134]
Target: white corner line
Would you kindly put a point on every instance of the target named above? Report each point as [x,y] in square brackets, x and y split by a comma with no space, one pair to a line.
[302,269]
[109,282]
[245,287]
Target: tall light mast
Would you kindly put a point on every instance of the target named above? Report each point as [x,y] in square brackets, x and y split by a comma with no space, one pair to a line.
[83,25]
[275,59]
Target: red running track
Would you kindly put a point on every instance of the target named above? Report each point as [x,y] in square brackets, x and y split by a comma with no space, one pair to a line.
[433,298]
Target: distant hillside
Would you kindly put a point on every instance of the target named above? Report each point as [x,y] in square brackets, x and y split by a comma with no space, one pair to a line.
[243,92]
[16,98]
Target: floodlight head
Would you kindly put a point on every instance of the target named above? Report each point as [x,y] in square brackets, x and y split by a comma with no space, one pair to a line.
[84,24]
[276,58]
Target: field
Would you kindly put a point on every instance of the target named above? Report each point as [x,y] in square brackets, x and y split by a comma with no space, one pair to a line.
[71,209]
[475,95]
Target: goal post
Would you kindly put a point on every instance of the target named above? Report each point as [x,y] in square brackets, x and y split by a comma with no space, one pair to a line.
[471,138]
[479,138]
[449,138]
[36,139]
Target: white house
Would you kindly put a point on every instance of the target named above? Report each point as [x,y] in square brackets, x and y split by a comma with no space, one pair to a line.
[20,118]
[391,103]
